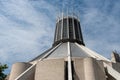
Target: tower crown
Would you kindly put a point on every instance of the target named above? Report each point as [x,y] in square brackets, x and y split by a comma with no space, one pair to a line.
[68,29]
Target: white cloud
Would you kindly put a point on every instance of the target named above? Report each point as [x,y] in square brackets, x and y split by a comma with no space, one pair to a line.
[23,30]
[27,27]
[101,28]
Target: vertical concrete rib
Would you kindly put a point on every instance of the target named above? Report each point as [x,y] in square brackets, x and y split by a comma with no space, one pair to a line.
[67,27]
[69,63]
[62,26]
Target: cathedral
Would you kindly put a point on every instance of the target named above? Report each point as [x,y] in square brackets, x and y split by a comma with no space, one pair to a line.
[68,58]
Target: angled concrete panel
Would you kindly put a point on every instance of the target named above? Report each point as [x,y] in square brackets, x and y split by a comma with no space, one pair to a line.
[53,69]
[116,66]
[78,69]
[76,51]
[93,69]
[17,69]
[29,75]
[60,52]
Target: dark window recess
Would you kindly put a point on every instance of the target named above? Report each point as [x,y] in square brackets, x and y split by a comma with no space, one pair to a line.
[64,28]
[73,71]
[59,30]
[80,32]
[76,29]
[66,70]
[70,28]
[74,75]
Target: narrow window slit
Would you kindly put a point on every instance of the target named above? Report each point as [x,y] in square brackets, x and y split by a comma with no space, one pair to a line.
[66,70]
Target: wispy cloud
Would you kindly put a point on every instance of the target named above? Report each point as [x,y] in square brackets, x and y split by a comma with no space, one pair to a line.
[25,31]
[27,26]
[101,26]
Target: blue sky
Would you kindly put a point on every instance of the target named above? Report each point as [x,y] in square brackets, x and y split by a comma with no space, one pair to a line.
[27,26]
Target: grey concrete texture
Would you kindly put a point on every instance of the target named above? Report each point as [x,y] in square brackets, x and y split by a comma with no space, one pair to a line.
[50,70]
[89,69]
[56,69]
[29,75]
[17,69]
[79,69]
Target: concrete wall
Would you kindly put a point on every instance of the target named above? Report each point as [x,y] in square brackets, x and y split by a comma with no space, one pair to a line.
[88,69]
[94,69]
[56,69]
[115,65]
[78,69]
[53,69]
[17,69]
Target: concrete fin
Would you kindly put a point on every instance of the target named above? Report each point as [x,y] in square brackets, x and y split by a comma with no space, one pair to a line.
[112,72]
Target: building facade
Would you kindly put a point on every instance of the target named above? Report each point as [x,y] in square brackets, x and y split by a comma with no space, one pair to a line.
[68,58]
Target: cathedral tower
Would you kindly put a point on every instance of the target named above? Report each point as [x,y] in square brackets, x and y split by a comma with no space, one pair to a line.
[68,58]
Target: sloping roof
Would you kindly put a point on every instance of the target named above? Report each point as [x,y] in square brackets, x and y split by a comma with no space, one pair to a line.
[76,50]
